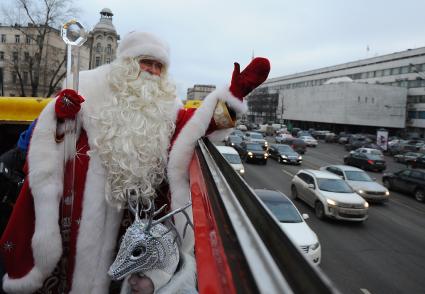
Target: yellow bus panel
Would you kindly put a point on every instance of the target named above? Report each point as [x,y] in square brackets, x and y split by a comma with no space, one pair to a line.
[21,109]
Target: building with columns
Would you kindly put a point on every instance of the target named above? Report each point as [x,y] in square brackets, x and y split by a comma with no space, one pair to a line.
[19,51]
[103,40]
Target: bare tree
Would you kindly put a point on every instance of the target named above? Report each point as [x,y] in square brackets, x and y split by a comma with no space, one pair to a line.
[39,61]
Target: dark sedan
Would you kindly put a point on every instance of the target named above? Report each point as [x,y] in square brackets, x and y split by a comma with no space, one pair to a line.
[233,140]
[419,162]
[284,154]
[408,157]
[409,181]
[365,161]
[251,152]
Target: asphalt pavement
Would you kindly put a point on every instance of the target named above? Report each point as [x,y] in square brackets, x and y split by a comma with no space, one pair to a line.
[385,254]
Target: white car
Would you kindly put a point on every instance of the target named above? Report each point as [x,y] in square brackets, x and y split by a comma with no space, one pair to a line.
[292,223]
[309,141]
[360,181]
[232,157]
[330,195]
[282,137]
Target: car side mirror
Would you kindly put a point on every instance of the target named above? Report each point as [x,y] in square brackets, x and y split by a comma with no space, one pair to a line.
[305,216]
[310,186]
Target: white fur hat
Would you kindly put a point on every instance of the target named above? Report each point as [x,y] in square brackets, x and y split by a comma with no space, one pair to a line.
[144,44]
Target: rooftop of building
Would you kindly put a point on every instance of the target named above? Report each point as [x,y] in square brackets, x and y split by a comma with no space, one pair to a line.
[353,64]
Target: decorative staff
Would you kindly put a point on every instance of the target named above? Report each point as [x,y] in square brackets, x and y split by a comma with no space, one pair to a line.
[74,36]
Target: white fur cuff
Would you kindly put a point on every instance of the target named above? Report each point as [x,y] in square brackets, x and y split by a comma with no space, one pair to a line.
[30,283]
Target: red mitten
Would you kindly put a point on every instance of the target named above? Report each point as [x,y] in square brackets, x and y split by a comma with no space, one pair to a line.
[250,78]
[68,103]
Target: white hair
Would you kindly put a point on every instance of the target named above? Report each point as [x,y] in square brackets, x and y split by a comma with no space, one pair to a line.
[135,128]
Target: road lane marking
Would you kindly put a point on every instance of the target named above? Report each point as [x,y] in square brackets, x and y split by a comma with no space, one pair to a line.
[288,173]
[365,291]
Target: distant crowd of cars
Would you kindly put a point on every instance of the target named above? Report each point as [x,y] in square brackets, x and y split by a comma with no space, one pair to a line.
[340,192]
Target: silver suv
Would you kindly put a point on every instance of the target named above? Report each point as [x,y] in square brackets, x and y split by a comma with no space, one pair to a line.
[330,195]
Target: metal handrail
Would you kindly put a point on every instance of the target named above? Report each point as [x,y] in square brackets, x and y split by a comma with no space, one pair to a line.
[274,262]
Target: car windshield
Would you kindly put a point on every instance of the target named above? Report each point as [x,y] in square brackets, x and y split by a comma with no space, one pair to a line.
[285,212]
[256,136]
[232,158]
[236,139]
[354,175]
[254,147]
[334,185]
[285,149]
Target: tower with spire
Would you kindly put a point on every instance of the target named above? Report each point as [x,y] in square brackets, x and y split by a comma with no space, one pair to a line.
[104,40]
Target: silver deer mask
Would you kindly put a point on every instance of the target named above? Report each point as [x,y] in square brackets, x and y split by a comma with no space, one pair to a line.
[148,244]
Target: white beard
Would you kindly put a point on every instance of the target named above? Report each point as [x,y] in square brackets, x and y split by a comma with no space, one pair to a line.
[135,130]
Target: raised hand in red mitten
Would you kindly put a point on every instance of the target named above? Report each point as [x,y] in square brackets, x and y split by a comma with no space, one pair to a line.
[68,103]
[250,78]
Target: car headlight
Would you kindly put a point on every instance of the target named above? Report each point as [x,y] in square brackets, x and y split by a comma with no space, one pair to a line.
[284,156]
[242,171]
[265,155]
[387,193]
[366,204]
[331,202]
[266,143]
[314,246]
[250,153]
[233,144]
[360,191]
[300,157]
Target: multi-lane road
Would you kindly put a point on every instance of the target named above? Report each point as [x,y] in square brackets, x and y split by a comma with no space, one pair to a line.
[385,254]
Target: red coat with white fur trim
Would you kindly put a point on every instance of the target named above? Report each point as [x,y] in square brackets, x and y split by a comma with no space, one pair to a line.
[31,246]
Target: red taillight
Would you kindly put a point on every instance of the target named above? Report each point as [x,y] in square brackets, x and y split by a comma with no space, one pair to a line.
[292,146]
[370,161]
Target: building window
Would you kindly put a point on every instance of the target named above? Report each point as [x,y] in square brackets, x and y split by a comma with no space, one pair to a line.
[1,55]
[15,56]
[379,73]
[108,60]
[26,56]
[97,61]
[3,38]
[395,71]
[17,39]
[371,74]
[14,77]
[411,114]
[98,47]
[405,69]
[109,49]
[387,72]
[28,39]
[421,114]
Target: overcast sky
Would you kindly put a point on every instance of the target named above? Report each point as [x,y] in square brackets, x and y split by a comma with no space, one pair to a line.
[206,37]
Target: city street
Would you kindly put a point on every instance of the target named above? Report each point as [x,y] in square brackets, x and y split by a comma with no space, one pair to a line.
[383,255]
